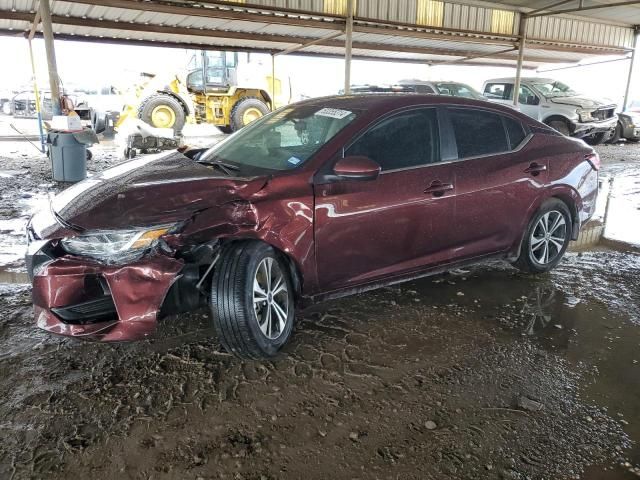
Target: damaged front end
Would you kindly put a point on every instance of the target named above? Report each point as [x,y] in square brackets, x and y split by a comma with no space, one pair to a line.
[113,286]
[95,275]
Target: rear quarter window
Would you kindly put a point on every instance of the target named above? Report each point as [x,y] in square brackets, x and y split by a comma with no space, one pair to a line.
[515,131]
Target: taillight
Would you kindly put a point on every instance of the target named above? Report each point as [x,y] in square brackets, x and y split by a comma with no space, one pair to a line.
[593,159]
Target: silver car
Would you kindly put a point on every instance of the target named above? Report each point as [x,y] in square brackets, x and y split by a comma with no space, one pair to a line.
[556,104]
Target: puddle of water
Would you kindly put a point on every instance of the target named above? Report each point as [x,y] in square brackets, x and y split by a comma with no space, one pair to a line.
[13,277]
[12,231]
[623,215]
[597,337]
[12,173]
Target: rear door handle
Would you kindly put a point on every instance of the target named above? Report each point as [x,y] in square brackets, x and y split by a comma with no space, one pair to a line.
[535,169]
[437,188]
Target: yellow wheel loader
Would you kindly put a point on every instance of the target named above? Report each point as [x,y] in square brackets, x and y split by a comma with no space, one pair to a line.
[227,94]
[158,101]
[214,93]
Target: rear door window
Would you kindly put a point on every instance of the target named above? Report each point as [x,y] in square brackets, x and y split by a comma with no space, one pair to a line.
[405,140]
[478,132]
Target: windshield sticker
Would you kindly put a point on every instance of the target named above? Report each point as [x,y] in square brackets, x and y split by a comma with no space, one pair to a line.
[333,113]
[294,160]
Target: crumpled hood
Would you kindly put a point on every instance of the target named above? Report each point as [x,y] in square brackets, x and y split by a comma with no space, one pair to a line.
[153,190]
[581,102]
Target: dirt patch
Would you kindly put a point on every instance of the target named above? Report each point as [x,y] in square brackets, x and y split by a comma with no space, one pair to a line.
[484,373]
[411,382]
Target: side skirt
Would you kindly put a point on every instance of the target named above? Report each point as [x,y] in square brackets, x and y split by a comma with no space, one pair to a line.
[393,280]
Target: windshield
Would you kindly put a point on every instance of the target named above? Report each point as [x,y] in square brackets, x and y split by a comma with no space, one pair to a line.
[554,89]
[282,140]
[458,90]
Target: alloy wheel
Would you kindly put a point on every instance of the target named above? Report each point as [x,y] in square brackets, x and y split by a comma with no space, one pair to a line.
[548,237]
[270,298]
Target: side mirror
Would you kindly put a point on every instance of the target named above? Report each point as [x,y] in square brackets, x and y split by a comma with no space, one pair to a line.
[533,100]
[357,167]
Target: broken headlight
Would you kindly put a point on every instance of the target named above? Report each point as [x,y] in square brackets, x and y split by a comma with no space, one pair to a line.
[585,115]
[115,246]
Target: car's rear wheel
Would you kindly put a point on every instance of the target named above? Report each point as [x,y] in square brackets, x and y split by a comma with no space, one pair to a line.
[546,239]
[252,300]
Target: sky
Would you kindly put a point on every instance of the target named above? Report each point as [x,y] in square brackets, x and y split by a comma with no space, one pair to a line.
[106,64]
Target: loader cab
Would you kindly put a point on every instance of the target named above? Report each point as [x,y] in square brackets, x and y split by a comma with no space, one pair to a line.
[219,70]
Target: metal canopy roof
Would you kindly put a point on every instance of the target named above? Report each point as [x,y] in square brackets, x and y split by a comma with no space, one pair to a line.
[425,31]
[628,14]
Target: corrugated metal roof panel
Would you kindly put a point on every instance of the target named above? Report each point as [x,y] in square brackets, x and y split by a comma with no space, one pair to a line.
[14,25]
[562,29]
[466,16]
[626,14]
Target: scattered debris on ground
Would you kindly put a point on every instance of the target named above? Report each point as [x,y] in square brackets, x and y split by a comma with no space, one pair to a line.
[482,373]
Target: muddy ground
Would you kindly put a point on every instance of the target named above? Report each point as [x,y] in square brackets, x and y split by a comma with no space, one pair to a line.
[482,373]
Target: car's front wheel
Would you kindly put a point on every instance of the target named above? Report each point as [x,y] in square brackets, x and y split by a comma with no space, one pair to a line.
[617,134]
[546,239]
[252,300]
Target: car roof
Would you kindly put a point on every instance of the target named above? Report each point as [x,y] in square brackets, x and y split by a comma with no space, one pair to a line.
[428,82]
[523,79]
[380,103]
[414,81]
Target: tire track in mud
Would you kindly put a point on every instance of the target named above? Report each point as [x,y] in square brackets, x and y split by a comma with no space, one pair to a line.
[357,391]
[405,382]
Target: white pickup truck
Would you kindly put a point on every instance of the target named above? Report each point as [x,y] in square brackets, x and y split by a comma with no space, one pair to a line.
[557,105]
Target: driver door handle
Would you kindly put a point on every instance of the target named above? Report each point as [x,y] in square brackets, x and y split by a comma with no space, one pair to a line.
[535,168]
[437,188]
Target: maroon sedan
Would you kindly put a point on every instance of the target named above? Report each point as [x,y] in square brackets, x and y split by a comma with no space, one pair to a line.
[319,199]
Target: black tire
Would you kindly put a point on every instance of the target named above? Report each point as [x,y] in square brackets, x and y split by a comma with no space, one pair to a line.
[232,301]
[242,106]
[596,138]
[561,126]
[226,129]
[527,261]
[617,134]
[98,121]
[634,139]
[130,153]
[89,154]
[150,103]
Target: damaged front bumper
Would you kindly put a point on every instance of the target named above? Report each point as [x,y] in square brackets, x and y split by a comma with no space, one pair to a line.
[80,297]
[585,129]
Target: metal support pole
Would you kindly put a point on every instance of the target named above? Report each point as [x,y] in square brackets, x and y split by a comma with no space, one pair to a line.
[47,31]
[630,77]
[522,34]
[348,41]
[36,94]
[273,82]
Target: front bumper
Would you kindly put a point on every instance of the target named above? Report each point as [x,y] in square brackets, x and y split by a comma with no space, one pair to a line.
[79,297]
[632,133]
[584,129]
